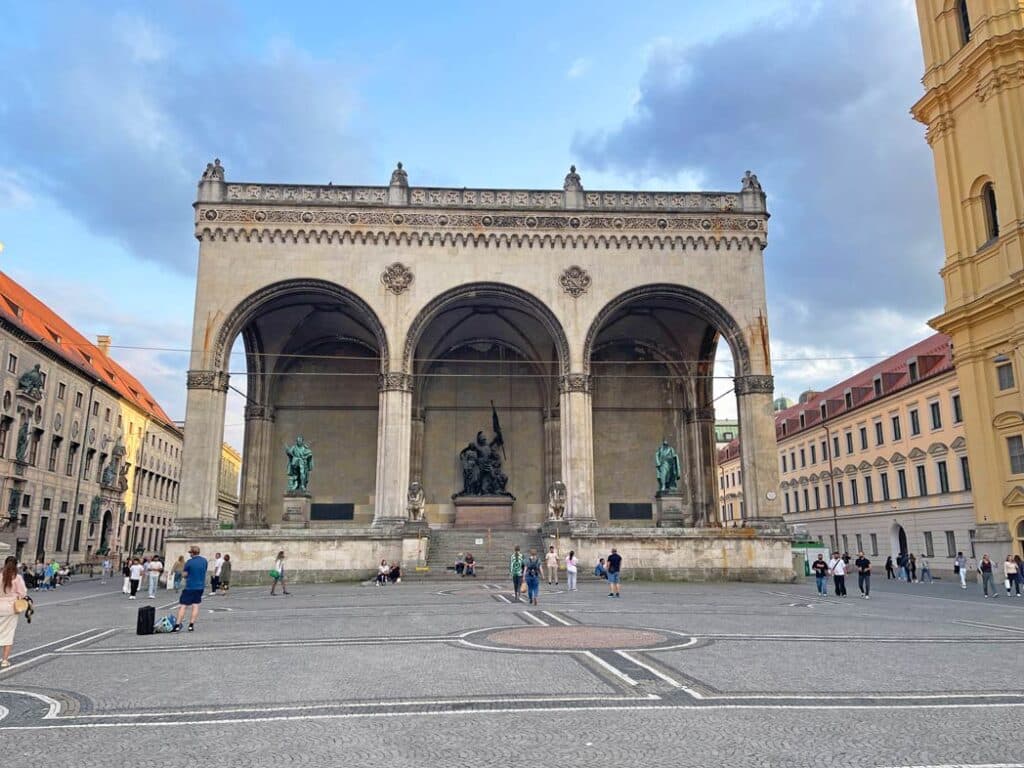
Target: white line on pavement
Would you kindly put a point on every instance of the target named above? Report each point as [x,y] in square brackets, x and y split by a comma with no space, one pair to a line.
[537,619]
[54,642]
[502,597]
[559,619]
[87,639]
[653,671]
[52,705]
[614,670]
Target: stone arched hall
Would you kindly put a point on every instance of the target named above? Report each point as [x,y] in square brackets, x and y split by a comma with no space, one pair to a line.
[390,325]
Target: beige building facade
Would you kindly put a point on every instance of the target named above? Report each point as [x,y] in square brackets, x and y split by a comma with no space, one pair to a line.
[973,106]
[230,474]
[877,463]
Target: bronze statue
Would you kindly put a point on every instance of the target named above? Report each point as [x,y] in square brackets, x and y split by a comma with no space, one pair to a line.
[666,463]
[31,382]
[21,453]
[300,465]
[481,468]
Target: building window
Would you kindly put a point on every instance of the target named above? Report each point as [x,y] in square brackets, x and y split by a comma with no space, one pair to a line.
[47,503]
[54,454]
[988,202]
[915,423]
[901,481]
[929,545]
[828,495]
[879,436]
[912,369]
[922,480]
[77,544]
[943,478]
[783,462]
[792,459]
[817,497]
[958,415]
[869,489]
[78,399]
[835,446]
[863,438]
[951,544]
[62,390]
[60,534]
[796,501]
[877,383]
[807,499]
[854,494]
[96,409]
[846,543]
[69,468]
[814,454]
[832,542]
[963,21]
[803,458]
[841,493]
[965,470]
[803,421]
[33,447]
[106,415]
[824,411]
[897,433]
[849,443]
[874,544]
[12,363]
[1016,448]
[5,428]
[860,543]
[1004,374]
[936,415]
[970,535]
[848,400]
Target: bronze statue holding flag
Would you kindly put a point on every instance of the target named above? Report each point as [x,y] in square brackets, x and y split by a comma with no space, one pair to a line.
[481,464]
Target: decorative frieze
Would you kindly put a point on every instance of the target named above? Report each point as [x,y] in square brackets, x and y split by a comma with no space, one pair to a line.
[575,281]
[393,381]
[216,380]
[754,385]
[574,382]
[397,278]
[258,412]
[697,415]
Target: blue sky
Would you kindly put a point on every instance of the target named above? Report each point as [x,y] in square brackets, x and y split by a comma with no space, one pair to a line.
[109,112]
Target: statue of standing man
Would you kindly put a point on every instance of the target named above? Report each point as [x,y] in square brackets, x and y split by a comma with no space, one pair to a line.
[300,465]
[666,462]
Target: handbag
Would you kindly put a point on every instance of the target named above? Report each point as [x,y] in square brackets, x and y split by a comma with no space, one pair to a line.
[1006,584]
[126,587]
[956,569]
[275,574]
[21,604]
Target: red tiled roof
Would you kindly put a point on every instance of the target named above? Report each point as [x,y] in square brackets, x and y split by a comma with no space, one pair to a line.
[730,451]
[33,317]
[934,356]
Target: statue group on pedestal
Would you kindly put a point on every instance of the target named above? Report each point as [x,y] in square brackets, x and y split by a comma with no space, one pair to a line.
[31,382]
[481,468]
[300,465]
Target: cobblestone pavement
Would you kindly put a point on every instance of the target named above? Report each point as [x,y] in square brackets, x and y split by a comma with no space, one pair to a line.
[432,674]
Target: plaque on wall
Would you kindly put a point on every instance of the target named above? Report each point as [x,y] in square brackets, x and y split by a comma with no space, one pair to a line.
[627,511]
[331,511]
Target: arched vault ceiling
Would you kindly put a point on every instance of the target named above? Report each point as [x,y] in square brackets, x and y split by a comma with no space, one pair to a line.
[293,322]
[455,326]
[679,333]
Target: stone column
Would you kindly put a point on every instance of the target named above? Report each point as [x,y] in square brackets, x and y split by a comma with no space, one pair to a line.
[700,434]
[200,460]
[252,508]
[552,450]
[394,446]
[757,451]
[419,426]
[577,448]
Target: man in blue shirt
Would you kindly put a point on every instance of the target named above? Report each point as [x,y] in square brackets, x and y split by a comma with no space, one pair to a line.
[192,594]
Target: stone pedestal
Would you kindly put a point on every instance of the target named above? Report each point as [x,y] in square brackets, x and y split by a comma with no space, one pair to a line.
[556,527]
[483,512]
[296,511]
[671,511]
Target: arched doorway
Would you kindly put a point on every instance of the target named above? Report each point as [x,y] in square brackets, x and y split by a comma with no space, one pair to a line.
[104,547]
[1020,538]
[478,345]
[651,355]
[313,352]
[899,540]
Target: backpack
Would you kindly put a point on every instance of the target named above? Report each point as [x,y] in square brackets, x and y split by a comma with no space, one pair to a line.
[533,567]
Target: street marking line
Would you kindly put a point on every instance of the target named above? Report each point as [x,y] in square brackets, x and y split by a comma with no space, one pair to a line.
[614,670]
[47,604]
[4,711]
[52,705]
[537,619]
[559,619]
[653,671]
[54,642]
[982,624]
[504,599]
[87,639]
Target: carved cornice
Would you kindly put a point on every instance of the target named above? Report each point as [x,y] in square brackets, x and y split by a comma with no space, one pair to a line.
[216,380]
[1010,76]
[255,412]
[394,381]
[939,127]
[574,382]
[754,385]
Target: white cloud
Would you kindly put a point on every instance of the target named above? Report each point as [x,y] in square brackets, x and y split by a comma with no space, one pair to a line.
[578,68]
[13,192]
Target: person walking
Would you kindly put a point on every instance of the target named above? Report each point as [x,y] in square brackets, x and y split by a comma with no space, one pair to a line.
[218,563]
[1010,575]
[889,570]
[135,573]
[837,566]
[12,588]
[863,575]
[154,571]
[820,568]
[960,569]
[192,595]
[225,575]
[105,576]
[985,569]
[912,568]
[126,573]
[174,580]
[534,572]
[1020,572]
[571,569]
[926,570]
[614,568]
[516,563]
[279,570]
[551,561]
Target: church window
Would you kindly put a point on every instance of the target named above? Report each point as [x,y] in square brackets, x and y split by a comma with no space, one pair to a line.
[964,21]
[988,201]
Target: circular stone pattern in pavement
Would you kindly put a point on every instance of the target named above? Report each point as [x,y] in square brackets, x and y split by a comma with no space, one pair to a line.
[575,638]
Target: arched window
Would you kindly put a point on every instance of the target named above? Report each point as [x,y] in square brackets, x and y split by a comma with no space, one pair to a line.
[964,20]
[988,202]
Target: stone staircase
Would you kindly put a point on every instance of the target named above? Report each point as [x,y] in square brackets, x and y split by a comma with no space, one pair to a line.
[491,555]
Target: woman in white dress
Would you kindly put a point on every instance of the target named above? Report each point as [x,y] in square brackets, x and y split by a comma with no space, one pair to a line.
[12,587]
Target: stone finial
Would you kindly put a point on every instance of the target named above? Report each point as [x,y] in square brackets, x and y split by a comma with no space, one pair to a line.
[399,178]
[214,171]
[750,183]
[572,183]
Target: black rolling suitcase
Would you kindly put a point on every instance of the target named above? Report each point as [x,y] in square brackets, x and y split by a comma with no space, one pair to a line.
[146,620]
